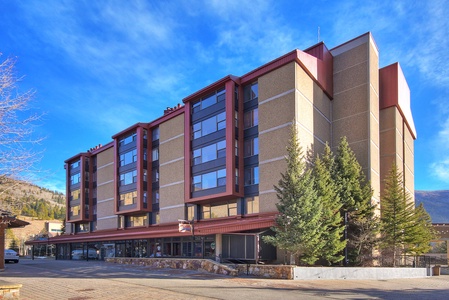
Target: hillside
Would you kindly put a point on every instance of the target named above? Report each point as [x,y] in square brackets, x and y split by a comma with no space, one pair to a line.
[436,204]
[28,199]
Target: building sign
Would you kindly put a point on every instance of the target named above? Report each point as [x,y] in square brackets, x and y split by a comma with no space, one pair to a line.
[184,226]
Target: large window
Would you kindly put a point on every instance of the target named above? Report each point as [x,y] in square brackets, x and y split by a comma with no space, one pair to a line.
[75,195]
[128,139]
[155,196]
[128,178]
[209,153]
[135,221]
[252,176]
[74,179]
[252,205]
[128,157]
[75,164]
[251,92]
[251,118]
[209,180]
[219,210]
[209,100]
[128,198]
[155,134]
[251,147]
[155,174]
[209,126]
[75,211]
[155,154]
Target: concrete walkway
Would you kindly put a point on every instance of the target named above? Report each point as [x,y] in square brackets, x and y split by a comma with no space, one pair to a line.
[81,280]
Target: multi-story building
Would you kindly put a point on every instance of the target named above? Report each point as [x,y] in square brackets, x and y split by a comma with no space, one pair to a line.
[214,160]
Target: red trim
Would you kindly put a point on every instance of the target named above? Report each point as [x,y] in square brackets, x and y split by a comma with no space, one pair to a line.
[321,71]
[166,117]
[389,91]
[129,129]
[206,227]
[212,87]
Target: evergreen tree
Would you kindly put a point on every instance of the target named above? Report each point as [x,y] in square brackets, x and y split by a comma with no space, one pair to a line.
[331,219]
[355,193]
[422,232]
[397,216]
[298,227]
[405,229]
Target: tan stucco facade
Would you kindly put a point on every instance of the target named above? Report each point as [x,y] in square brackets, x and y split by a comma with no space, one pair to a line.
[171,169]
[356,104]
[106,218]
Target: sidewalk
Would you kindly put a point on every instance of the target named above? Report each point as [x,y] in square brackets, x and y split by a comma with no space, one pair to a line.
[81,280]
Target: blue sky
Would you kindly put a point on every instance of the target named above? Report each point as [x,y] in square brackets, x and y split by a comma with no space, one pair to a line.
[101,66]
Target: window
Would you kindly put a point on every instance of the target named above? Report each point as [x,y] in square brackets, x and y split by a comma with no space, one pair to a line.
[209,100]
[155,134]
[155,154]
[126,140]
[251,147]
[155,175]
[252,176]
[128,198]
[135,221]
[252,205]
[219,210]
[74,179]
[74,211]
[251,92]
[209,126]
[128,178]
[209,180]
[155,196]
[75,164]
[251,118]
[75,195]
[209,153]
[128,157]
[190,212]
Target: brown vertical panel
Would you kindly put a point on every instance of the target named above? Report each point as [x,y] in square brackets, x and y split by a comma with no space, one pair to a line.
[115,176]
[187,160]
[67,191]
[82,187]
[230,137]
[241,141]
[139,167]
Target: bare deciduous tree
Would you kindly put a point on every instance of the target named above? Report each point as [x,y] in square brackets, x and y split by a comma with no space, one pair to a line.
[17,140]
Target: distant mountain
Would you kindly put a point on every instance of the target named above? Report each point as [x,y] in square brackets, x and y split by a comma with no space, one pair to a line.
[23,198]
[436,204]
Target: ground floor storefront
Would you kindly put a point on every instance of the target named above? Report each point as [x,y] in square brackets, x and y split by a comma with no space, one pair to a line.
[243,247]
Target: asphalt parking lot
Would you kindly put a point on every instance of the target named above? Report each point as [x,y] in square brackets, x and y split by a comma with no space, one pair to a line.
[81,280]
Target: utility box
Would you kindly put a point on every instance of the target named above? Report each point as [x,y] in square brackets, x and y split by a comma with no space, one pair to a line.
[436,270]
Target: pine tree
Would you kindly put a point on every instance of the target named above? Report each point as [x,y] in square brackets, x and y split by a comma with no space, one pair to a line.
[298,227]
[397,220]
[355,193]
[405,229]
[331,219]
[422,232]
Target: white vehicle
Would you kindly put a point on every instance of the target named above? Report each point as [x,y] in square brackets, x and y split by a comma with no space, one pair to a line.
[11,255]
